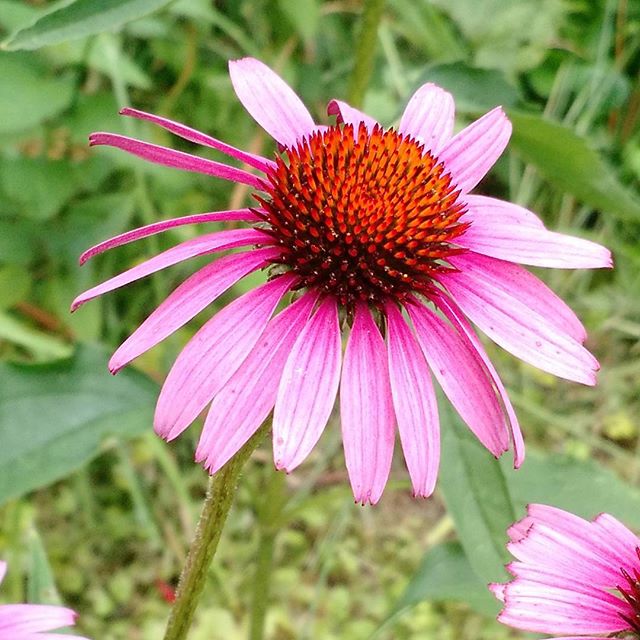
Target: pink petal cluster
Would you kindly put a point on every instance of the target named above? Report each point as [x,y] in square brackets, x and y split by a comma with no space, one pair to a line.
[246,362]
[573,577]
[33,621]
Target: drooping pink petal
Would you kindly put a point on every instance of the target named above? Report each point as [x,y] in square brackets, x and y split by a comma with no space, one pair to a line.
[494,232]
[622,541]
[530,333]
[429,117]
[366,409]
[199,246]
[270,101]
[462,376]
[191,297]
[172,158]
[213,355]
[454,314]
[521,285]
[32,618]
[414,404]
[350,115]
[257,162]
[245,401]
[245,215]
[470,154]
[308,388]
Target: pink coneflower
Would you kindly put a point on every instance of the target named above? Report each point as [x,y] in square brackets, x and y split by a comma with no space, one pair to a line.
[32,621]
[572,577]
[372,233]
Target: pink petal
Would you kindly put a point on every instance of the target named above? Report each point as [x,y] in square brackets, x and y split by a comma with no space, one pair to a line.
[485,210]
[462,376]
[213,355]
[32,618]
[366,409]
[350,115]
[470,154]
[245,401]
[308,388]
[521,285]
[429,117]
[530,333]
[172,158]
[454,314]
[199,246]
[270,101]
[191,297]
[245,215]
[414,404]
[493,233]
[192,135]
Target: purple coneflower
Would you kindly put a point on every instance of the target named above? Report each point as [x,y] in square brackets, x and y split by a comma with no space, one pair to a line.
[572,577]
[370,232]
[33,621]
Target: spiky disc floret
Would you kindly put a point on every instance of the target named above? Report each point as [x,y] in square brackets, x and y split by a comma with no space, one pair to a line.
[363,217]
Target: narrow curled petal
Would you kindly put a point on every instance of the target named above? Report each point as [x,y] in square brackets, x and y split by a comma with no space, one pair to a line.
[492,232]
[245,401]
[213,355]
[366,409]
[350,115]
[200,138]
[308,388]
[199,246]
[245,215]
[191,297]
[470,154]
[271,101]
[454,314]
[530,333]
[462,376]
[414,404]
[172,158]
[429,117]
[32,619]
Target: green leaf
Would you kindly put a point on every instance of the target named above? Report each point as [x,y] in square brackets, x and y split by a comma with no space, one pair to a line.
[568,161]
[41,586]
[42,346]
[79,19]
[56,417]
[304,16]
[15,283]
[27,95]
[444,574]
[476,495]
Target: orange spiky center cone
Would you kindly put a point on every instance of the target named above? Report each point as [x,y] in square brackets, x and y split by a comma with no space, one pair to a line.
[367,217]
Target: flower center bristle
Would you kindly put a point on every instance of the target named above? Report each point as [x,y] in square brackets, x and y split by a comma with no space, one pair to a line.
[631,593]
[367,217]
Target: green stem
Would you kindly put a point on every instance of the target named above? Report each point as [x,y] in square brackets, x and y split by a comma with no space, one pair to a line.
[269,518]
[220,493]
[365,50]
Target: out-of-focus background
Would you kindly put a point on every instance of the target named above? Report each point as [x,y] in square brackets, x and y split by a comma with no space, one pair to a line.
[95,510]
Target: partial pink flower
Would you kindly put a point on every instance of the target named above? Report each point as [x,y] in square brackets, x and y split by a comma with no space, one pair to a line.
[365,232]
[574,578]
[33,621]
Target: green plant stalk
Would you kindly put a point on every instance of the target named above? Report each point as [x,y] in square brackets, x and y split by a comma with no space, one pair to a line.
[365,50]
[270,519]
[220,494]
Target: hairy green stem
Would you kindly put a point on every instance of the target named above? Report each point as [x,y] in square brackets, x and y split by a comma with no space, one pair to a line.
[365,50]
[269,517]
[220,493]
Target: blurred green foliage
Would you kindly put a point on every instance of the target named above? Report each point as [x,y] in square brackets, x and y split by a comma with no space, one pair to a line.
[113,532]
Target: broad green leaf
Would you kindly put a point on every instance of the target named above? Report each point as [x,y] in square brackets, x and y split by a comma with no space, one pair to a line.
[79,19]
[55,417]
[42,346]
[568,161]
[444,574]
[28,95]
[476,495]
[580,486]
[304,16]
